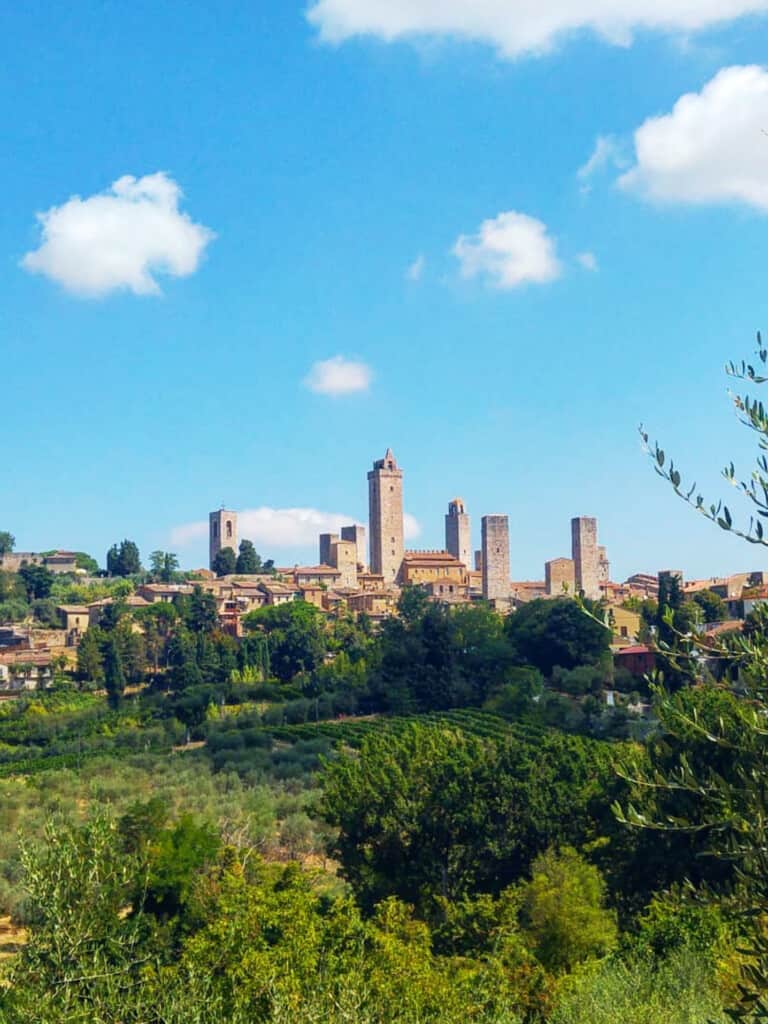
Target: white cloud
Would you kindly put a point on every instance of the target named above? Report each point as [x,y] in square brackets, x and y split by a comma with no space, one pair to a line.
[516,27]
[415,270]
[512,249]
[607,151]
[119,239]
[588,260]
[338,376]
[271,528]
[411,526]
[711,148]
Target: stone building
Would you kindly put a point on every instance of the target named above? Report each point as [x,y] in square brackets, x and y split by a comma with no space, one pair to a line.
[427,566]
[458,532]
[357,534]
[344,559]
[495,549]
[586,556]
[222,532]
[559,577]
[327,540]
[385,510]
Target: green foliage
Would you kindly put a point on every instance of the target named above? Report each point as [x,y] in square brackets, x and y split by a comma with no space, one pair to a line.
[7,542]
[86,562]
[435,813]
[248,560]
[90,659]
[163,566]
[549,633]
[295,634]
[713,608]
[564,913]
[438,658]
[123,559]
[114,674]
[678,991]
[37,581]
[225,562]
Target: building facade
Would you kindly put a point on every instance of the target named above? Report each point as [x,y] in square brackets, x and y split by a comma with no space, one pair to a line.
[559,577]
[385,511]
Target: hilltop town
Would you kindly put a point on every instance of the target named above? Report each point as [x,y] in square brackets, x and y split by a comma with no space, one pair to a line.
[360,572]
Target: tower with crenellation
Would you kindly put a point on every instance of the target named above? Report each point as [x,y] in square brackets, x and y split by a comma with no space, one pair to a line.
[385,512]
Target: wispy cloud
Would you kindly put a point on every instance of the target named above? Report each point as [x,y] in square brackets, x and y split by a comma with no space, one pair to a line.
[588,260]
[338,376]
[121,239]
[415,270]
[607,153]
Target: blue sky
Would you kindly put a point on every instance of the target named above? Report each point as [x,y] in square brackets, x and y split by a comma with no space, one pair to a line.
[157,350]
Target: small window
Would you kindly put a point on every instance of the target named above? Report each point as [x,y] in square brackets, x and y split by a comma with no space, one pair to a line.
[624,631]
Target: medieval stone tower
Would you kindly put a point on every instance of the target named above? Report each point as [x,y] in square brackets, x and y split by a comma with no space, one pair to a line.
[357,534]
[458,532]
[586,555]
[495,540]
[222,532]
[385,512]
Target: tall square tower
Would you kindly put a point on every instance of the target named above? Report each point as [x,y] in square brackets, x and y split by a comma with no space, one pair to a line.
[458,532]
[385,513]
[586,556]
[222,532]
[495,541]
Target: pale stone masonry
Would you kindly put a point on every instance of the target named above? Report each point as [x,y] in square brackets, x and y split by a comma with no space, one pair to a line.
[385,510]
[357,534]
[458,532]
[586,556]
[344,558]
[559,577]
[495,548]
[327,540]
[222,532]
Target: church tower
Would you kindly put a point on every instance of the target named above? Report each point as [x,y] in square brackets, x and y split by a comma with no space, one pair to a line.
[222,532]
[458,533]
[385,511]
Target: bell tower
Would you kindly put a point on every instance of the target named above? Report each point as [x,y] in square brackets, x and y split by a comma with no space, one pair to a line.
[222,532]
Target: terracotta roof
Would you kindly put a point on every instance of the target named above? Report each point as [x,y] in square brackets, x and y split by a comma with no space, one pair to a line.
[636,649]
[73,609]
